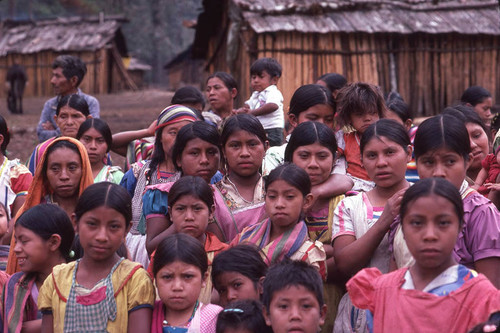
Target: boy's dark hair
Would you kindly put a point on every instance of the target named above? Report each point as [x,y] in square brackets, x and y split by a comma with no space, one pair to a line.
[289,273]
[270,65]
[244,259]
[242,315]
[71,66]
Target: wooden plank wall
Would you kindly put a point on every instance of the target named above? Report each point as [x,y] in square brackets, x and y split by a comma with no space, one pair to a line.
[432,71]
[39,71]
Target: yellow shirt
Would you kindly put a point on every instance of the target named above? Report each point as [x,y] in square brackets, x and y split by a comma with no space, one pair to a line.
[134,286]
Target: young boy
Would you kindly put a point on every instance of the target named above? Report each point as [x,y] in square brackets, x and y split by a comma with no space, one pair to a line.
[293,298]
[266,102]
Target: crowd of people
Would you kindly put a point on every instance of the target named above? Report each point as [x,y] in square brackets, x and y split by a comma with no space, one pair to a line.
[348,219]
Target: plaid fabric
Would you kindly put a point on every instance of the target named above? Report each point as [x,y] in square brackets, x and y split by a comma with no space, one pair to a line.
[91,312]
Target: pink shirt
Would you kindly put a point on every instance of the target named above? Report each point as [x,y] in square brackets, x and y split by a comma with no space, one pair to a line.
[398,310]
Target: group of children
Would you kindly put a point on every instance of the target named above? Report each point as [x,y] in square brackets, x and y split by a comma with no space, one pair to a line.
[224,249]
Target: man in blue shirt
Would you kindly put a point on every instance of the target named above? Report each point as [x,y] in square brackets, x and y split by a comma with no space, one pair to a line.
[67,74]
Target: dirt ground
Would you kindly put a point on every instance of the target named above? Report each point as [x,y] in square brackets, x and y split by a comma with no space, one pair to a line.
[122,111]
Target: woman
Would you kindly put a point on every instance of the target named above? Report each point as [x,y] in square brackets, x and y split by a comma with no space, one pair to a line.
[63,174]
[361,223]
[478,137]
[154,171]
[221,91]
[239,196]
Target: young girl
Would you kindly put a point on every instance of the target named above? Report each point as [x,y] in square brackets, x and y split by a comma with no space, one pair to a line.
[63,174]
[311,102]
[361,222]
[398,110]
[360,105]
[195,152]
[242,316]
[313,147]
[442,149]
[100,291]
[44,235]
[15,178]
[284,234]
[190,208]
[237,274]
[478,137]
[95,135]
[434,294]
[153,171]
[180,271]
[240,194]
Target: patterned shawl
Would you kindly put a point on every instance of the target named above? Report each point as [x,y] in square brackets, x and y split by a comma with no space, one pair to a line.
[39,188]
[282,247]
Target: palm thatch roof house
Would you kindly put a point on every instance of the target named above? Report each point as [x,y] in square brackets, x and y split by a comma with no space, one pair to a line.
[428,50]
[99,42]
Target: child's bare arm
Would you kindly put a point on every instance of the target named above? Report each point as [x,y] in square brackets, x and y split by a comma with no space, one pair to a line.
[122,139]
[140,320]
[264,109]
[351,254]
[159,227]
[481,177]
[47,323]
[490,267]
[336,184]
[32,326]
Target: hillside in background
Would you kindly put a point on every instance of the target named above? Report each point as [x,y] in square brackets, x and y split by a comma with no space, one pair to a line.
[154,31]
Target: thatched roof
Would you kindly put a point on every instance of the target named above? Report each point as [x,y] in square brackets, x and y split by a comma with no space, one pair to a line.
[372,16]
[73,34]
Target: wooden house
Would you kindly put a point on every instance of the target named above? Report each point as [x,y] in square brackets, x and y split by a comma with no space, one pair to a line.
[428,50]
[183,70]
[99,42]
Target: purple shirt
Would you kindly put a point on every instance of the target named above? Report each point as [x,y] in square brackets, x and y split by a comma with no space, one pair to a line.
[480,236]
